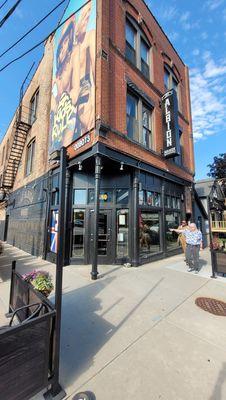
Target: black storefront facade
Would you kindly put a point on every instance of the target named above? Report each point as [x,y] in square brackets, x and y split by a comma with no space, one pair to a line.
[138,204]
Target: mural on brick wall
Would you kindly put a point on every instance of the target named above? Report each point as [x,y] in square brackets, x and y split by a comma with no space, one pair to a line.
[73,89]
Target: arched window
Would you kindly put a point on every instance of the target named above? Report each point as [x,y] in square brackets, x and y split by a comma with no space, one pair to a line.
[172,82]
[138,49]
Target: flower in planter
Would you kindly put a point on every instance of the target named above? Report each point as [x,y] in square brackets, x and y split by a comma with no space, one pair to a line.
[41,280]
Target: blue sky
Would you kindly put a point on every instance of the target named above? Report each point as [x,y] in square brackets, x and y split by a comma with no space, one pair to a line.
[197,29]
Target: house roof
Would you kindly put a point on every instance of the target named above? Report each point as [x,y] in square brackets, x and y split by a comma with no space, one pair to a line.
[203,187]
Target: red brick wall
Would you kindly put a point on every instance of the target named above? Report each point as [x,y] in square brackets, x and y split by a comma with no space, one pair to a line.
[111,85]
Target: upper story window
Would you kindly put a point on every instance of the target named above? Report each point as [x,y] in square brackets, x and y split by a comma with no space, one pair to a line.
[30,157]
[137,48]
[146,119]
[171,82]
[33,107]
[130,42]
[179,159]
[166,79]
[144,53]
[139,121]
[132,115]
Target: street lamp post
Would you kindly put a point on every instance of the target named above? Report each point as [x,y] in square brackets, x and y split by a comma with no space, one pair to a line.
[56,392]
[94,271]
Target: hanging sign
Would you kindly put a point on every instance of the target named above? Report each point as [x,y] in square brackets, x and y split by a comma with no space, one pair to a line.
[170,125]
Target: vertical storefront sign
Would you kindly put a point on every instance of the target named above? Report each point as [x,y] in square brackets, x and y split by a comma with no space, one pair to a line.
[54,231]
[73,81]
[170,124]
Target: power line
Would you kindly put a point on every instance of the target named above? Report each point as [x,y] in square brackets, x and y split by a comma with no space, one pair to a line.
[2,5]
[33,28]
[10,12]
[43,41]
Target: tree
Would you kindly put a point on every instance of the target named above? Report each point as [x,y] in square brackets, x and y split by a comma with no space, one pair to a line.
[218,167]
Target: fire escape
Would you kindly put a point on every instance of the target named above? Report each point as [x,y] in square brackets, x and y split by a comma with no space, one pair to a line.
[21,128]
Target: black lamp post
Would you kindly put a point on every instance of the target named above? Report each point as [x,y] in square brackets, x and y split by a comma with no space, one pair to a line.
[56,391]
[98,164]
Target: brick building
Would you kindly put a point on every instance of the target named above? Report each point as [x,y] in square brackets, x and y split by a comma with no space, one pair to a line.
[105,99]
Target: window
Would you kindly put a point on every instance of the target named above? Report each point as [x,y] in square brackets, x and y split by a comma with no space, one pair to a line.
[149,224]
[131,113]
[146,118]
[33,107]
[137,48]
[122,233]
[30,157]
[172,222]
[139,121]
[166,79]
[130,43]
[55,190]
[53,230]
[171,82]
[78,233]
[179,159]
[80,196]
[144,53]
[168,203]
[153,199]
[122,196]
[141,197]
[106,196]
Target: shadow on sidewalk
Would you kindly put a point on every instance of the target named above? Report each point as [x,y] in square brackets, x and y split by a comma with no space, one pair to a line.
[217,393]
[85,330]
[25,262]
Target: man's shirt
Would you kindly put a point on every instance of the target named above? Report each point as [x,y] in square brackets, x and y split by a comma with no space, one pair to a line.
[193,238]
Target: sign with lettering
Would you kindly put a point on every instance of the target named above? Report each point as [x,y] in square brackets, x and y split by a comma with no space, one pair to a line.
[170,124]
[81,142]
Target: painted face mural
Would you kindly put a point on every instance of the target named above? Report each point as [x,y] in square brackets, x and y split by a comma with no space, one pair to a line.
[73,92]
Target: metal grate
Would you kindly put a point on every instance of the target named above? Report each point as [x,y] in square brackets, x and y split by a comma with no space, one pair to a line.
[212,306]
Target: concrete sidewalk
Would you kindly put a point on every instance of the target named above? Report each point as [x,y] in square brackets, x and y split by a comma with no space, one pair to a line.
[137,333]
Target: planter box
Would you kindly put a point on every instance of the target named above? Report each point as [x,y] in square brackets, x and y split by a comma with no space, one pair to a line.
[220,261]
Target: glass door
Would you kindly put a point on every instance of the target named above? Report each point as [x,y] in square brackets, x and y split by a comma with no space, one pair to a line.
[104,247]
[78,233]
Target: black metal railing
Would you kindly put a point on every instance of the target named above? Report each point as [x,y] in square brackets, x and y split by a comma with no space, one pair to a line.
[26,349]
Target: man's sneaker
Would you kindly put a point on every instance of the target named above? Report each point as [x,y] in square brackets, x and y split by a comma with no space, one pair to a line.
[196,271]
[190,269]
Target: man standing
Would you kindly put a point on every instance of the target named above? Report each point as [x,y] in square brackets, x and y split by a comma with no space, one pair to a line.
[193,238]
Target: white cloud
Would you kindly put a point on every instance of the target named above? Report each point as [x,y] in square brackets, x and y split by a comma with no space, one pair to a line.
[213,4]
[212,70]
[185,16]
[173,36]
[204,35]
[169,13]
[196,52]
[208,87]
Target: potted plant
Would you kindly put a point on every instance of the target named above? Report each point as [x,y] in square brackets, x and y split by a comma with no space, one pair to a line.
[41,280]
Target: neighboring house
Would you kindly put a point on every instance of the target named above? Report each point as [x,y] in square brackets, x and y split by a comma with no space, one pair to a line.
[104,98]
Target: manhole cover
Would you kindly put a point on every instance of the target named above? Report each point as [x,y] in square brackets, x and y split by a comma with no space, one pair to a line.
[212,306]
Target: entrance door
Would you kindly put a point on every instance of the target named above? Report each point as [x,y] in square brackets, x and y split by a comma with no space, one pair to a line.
[105,246]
